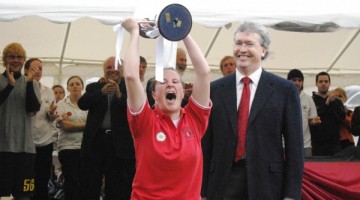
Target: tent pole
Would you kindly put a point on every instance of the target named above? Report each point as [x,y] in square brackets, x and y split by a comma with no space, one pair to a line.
[212,42]
[343,50]
[59,76]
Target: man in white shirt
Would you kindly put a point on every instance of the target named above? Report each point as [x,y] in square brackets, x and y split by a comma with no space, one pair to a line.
[308,109]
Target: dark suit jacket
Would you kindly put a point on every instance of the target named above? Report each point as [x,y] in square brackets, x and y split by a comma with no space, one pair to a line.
[97,103]
[274,172]
[355,123]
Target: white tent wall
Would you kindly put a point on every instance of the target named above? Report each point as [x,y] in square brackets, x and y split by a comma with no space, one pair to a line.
[82,36]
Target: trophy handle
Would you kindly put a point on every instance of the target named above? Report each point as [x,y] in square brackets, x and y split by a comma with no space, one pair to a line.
[148,29]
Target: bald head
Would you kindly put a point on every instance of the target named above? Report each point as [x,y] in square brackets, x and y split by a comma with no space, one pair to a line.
[109,69]
[181,61]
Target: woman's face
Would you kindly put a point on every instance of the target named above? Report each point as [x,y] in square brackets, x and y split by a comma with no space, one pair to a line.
[169,94]
[38,64]
[59,93]
[340,96]
[75,86]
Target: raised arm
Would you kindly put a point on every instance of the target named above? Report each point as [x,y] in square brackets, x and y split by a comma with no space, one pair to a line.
[201,86]
[135,90]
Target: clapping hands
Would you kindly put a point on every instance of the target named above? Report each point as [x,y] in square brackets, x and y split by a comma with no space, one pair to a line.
[111,87]
[10,76]
[33,70]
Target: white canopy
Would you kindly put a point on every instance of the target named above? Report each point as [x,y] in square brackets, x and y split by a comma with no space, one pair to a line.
[73,37]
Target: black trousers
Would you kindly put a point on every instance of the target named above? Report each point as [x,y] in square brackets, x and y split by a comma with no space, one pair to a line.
[104,162]
[325,149]
[70,165]
[237,188]
[43,163]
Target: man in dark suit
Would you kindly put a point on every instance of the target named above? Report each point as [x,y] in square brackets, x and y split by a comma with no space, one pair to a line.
[107,147]
[355,123]
[266,169]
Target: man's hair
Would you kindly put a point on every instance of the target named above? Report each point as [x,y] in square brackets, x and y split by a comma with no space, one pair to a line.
[180,50]
[13,47]
[223,60]
[322,74]
[143,60]
[253,27]
[295,73]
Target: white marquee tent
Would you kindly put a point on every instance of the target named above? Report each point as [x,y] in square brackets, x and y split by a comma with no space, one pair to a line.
[73,37]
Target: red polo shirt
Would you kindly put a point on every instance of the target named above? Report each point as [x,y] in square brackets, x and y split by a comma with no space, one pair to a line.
[169,160]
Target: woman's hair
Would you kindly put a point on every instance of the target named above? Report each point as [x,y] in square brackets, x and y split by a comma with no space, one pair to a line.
[61,88]
[154,82]
[58,86]
[82,82]
[28,62]
[222,61]
[341,92]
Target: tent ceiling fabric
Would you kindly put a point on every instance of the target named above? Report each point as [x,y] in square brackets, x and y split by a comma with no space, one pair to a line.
[82,37]
[204,12]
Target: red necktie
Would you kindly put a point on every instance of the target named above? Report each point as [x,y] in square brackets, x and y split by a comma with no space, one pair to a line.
[243,117]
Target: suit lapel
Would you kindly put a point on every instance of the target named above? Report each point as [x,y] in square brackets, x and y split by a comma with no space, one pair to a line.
[228,96]
[263,91]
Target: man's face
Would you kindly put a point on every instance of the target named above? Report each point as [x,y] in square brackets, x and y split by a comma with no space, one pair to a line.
[248,52]
[323,84]
[228,66]
[15,60]
[181,62]
[298,82]
[142,70]
[109,70]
